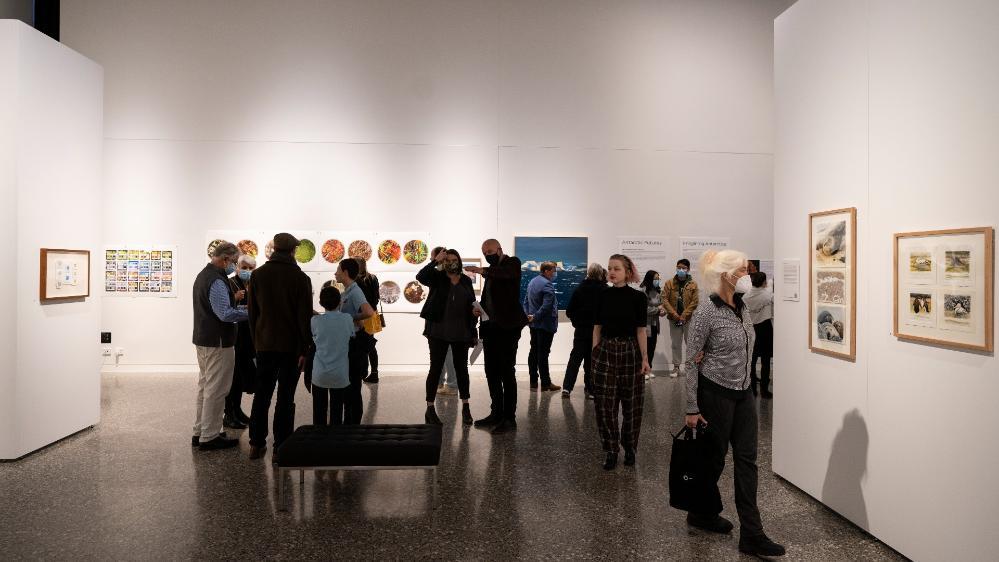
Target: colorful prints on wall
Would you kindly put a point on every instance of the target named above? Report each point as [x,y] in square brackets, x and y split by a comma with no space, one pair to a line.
[394,257]
[943,287]
[832,294]
[140,271]
[569,254]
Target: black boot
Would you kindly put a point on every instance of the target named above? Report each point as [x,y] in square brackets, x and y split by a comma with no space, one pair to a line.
[466,414]
[629,456]
[431,416]
[610,461]
[760,545]
[492,419]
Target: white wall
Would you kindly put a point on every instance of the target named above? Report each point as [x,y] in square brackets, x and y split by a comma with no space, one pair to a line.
[467,119]
[52,153]
[889,106]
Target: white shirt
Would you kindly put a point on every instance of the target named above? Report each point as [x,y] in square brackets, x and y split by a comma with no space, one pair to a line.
[759,304]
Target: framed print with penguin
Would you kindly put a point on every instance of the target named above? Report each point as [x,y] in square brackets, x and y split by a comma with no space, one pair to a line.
[943,286]
[832,291]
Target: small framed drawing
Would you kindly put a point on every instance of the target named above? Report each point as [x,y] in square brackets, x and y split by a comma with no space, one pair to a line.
[943,286]
[832,288]
[63,275]
[476,278]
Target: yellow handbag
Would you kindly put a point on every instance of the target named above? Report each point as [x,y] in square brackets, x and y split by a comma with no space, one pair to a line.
[373,324]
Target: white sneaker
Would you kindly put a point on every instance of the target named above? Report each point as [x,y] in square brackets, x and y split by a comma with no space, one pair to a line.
[674,373]
[646,378]
[652,375]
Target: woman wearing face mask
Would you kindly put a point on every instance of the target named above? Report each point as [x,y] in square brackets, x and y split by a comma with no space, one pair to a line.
[244,374]
[620,361]
[679,300]
[450,326]
[652,285]
[719,395]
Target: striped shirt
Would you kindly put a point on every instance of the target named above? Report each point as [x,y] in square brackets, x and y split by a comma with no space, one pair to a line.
[218,297]
[727,342]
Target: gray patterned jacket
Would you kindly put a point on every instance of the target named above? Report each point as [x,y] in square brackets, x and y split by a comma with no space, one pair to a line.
[727,343]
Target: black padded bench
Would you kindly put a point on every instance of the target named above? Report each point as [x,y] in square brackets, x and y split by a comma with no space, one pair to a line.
[359,447]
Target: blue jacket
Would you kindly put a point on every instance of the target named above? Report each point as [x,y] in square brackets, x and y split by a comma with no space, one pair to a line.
[540,302]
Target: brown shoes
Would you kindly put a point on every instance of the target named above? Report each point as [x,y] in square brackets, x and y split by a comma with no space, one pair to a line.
[551,387]
[257,452]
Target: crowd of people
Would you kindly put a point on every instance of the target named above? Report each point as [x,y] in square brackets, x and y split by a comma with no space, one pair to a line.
[255,331]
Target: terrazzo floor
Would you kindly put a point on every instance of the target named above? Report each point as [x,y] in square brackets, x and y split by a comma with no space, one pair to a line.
[132,488]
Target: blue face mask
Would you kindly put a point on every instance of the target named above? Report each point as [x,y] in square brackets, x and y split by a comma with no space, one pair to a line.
[658,283]
[230,269]
[681,273]
[245,274]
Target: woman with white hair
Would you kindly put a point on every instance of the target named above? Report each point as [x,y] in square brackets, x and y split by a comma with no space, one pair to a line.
[620,361]
[244,374]
[719,398]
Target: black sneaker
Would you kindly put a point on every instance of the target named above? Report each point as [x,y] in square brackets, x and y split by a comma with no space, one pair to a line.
[760,545]
[220,442]
[490,420]
[231,422]
[466,414]
[196,440]
[716,524]
[431,416]
[504,426]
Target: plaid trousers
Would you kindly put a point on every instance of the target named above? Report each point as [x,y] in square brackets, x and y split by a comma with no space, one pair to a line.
[618,380]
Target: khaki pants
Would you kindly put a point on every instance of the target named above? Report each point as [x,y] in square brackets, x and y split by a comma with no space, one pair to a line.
[677,334]
[215,366]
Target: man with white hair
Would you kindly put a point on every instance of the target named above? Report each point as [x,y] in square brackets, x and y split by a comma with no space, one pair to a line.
[215,318]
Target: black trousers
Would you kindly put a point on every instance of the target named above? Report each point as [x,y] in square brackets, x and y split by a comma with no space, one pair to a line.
[732,419]
[581,354]
[763,350]
[438,355]
[357,369]
[328,405]
[537,359]
[373,356]
[499,346]
[650,343]
[281,370]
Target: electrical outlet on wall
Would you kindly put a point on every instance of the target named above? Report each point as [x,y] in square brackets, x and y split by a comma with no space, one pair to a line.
[105,337]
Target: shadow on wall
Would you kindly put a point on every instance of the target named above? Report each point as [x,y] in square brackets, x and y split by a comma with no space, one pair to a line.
[842,489]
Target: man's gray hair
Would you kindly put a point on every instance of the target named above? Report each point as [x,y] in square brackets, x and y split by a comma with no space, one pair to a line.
[596,271]
[247,259]
[226,250]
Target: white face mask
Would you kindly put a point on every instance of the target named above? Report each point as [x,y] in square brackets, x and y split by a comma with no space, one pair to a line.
[744,284]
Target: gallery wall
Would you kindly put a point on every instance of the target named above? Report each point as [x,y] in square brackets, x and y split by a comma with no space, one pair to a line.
[887,106]
[467,119]
[51,145]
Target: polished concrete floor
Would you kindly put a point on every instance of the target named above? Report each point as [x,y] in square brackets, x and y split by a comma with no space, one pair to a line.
[133,489]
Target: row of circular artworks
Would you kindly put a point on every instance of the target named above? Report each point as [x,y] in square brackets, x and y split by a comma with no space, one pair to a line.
[389,251]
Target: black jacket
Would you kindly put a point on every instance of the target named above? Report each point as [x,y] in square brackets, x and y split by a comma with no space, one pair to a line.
[583,304]
[503,286]
[369,286]
[280,306]
[439,285]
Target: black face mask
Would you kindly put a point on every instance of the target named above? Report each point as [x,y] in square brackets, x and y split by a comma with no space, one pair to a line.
[493,259]
[452,267]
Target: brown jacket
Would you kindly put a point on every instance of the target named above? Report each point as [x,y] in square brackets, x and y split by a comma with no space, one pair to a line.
[690,296]
[280,306]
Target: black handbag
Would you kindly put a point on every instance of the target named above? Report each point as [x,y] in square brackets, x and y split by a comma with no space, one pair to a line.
[691,486]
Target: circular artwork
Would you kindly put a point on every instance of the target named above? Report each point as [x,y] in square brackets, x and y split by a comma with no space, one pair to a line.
[214,244]
[305,252]
[333,251]
[415,252]
[389,292]
[269,249]
[415,292]
[359,249]
[389,252]
[248,247]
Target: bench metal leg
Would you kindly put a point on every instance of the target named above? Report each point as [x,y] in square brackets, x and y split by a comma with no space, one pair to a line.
[280,486]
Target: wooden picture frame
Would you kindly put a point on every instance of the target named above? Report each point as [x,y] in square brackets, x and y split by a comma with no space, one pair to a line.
[60,277]
[942,287]
[832,283]
[477,280]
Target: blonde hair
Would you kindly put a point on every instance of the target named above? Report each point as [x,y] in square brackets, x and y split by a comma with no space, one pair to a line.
[629,266]
[715,264]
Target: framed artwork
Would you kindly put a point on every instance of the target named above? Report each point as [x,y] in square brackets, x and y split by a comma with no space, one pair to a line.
[63,275]
[476,278]
[943,287]
[569,254]
[832,291]
[140,270]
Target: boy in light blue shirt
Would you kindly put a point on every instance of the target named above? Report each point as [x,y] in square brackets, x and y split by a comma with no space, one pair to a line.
[331,332]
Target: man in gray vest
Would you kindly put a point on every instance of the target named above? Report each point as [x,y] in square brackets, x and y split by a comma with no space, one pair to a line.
[215,318]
